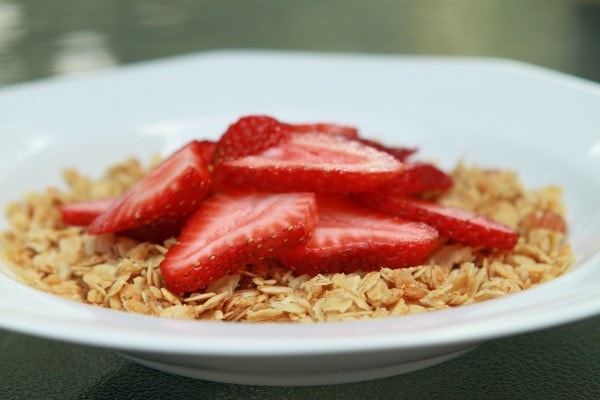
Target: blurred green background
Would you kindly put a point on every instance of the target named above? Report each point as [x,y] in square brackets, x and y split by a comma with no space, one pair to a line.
[40,38]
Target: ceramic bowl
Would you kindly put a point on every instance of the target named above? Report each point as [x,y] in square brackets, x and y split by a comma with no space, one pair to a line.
[489,112]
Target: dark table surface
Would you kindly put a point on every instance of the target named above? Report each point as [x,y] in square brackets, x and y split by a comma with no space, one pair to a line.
[41,39]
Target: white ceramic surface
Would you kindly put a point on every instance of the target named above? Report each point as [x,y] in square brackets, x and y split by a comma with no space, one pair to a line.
[491,112]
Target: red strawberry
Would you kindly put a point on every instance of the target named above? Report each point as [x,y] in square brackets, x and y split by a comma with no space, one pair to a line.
[156,232]
[349,238]
[399,153]
[314,162]
[207,150]
[462,226]
[332,129]
[249,135]
[417,178]
[172,191]
[84,212]
[231,230]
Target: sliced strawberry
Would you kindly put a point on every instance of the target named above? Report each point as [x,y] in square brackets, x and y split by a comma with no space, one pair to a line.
[349,238]
[84,212]
[249,135]
[417,178]
[462,226]
[332,129]
[172,191]
[399,153]
[314,162]
[156,232]
[230,230]
[207,149]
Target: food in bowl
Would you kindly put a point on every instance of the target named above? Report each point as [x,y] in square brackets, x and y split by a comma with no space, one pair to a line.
[279,222]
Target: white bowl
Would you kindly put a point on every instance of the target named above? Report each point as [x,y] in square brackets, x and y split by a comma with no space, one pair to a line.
[490,112]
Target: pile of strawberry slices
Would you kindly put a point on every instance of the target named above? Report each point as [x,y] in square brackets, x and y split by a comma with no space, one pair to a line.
[316,198]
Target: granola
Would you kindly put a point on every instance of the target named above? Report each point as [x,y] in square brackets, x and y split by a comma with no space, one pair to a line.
[123,274]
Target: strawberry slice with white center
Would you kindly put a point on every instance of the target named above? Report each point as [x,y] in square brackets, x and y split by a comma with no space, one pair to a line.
[350,238]
[462,226]
[231,230]
[317,162]
[169,193]
[351,132]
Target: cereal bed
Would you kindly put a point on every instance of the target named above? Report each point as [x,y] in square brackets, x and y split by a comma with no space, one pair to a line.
[123,274]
